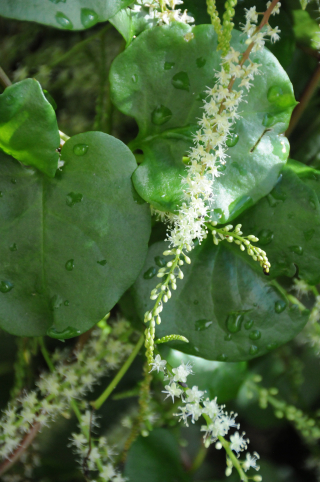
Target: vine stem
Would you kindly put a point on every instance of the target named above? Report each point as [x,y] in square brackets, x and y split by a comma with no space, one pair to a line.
[103,397]
[304,101]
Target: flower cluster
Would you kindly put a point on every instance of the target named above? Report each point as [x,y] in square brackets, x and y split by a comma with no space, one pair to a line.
[211,140]
[244,242]
[195,404]
[95,455]
[164,11]
[75,374]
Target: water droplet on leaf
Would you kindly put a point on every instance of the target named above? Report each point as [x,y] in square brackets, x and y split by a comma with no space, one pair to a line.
[64,21]
[6,286]
[88,17]
[68,332]
[255,335]
[201,96]
[253,350]
[103,262]
[14,181]
[265,237]
[80,149]
[222,357]
[55,302]
[201,62]
[280,306]
[248,324]
[312,203]
[168,65]
[9,99]
[66,303]
[297,250]
[202,325]
[150,273]
[134,78]
[308,235]
[196,302]
[181,81]
[160,261]
[271,346]
[161,115]
[13,247]
[228,337]
[234,322]
[69,265]
[232,140]
[73,198]
[241,169]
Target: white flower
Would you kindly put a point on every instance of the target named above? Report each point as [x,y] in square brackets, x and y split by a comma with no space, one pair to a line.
[251,461]
[195,410]
[193,395]
[181,373]
[211,408]
[158,364]
[108,472]
[238,443]
[172,390]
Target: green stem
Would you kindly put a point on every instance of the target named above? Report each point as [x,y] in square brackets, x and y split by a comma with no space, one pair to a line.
[80,45]
[199,459]
[45,354]
[233,458]
[288,296]
[103,397]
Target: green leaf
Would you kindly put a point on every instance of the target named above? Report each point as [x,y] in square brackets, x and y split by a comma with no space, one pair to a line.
[160,80]
[287,223]
[28,126]
[227,311]
[155,458]
[64,14]
[306,29]
[219,379]
[71,245]
[131,23]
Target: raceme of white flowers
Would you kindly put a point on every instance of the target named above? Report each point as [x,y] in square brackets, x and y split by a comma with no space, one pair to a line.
[195,404]
[164,11]
[74,376]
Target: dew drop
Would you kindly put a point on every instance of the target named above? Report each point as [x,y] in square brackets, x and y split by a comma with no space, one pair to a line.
[234,322]
[308,235]
[58,1]
[6,286]
[160,261]
[253,350]
[241,169]
[150,273]
[232,140]
[64,21]
[168,65]
[55,302]
[274,93]
[134,78]
[9,99]
[196,302]
[265,237]
[1,194]
[218,213]
[202,325]
[228,337]
[66,303]
[68,332]
[13,247]
[248,324]
[73,198]
[189,36]
[14,181]
[88,17]
[201,62]
[181,81]
[222,357]
[271,346]
[280,306]
[80,149]
[255,335]
[312,203]
[161,115]
[222,168]
[297,250]
[103,262]
[69,265]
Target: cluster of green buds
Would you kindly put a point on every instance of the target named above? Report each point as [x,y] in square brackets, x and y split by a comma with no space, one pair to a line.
[162,293]
[234,235]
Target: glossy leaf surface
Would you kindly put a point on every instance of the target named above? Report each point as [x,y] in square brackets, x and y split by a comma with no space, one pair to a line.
[64,14]
[287,223]
[227,311]
[155,458]
[72,245]
[28,126]
[160,80]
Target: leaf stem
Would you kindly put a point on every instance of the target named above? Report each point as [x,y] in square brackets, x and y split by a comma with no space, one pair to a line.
[45,354]
[103,397]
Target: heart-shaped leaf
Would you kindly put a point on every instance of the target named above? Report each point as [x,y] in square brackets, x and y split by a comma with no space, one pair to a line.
[64,14]
[287,223]
[227,311]
[160,80]
[28,126]
[71,245]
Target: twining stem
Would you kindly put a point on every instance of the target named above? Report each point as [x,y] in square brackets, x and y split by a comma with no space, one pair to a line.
[308,92]
[199,459]
[103,397]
